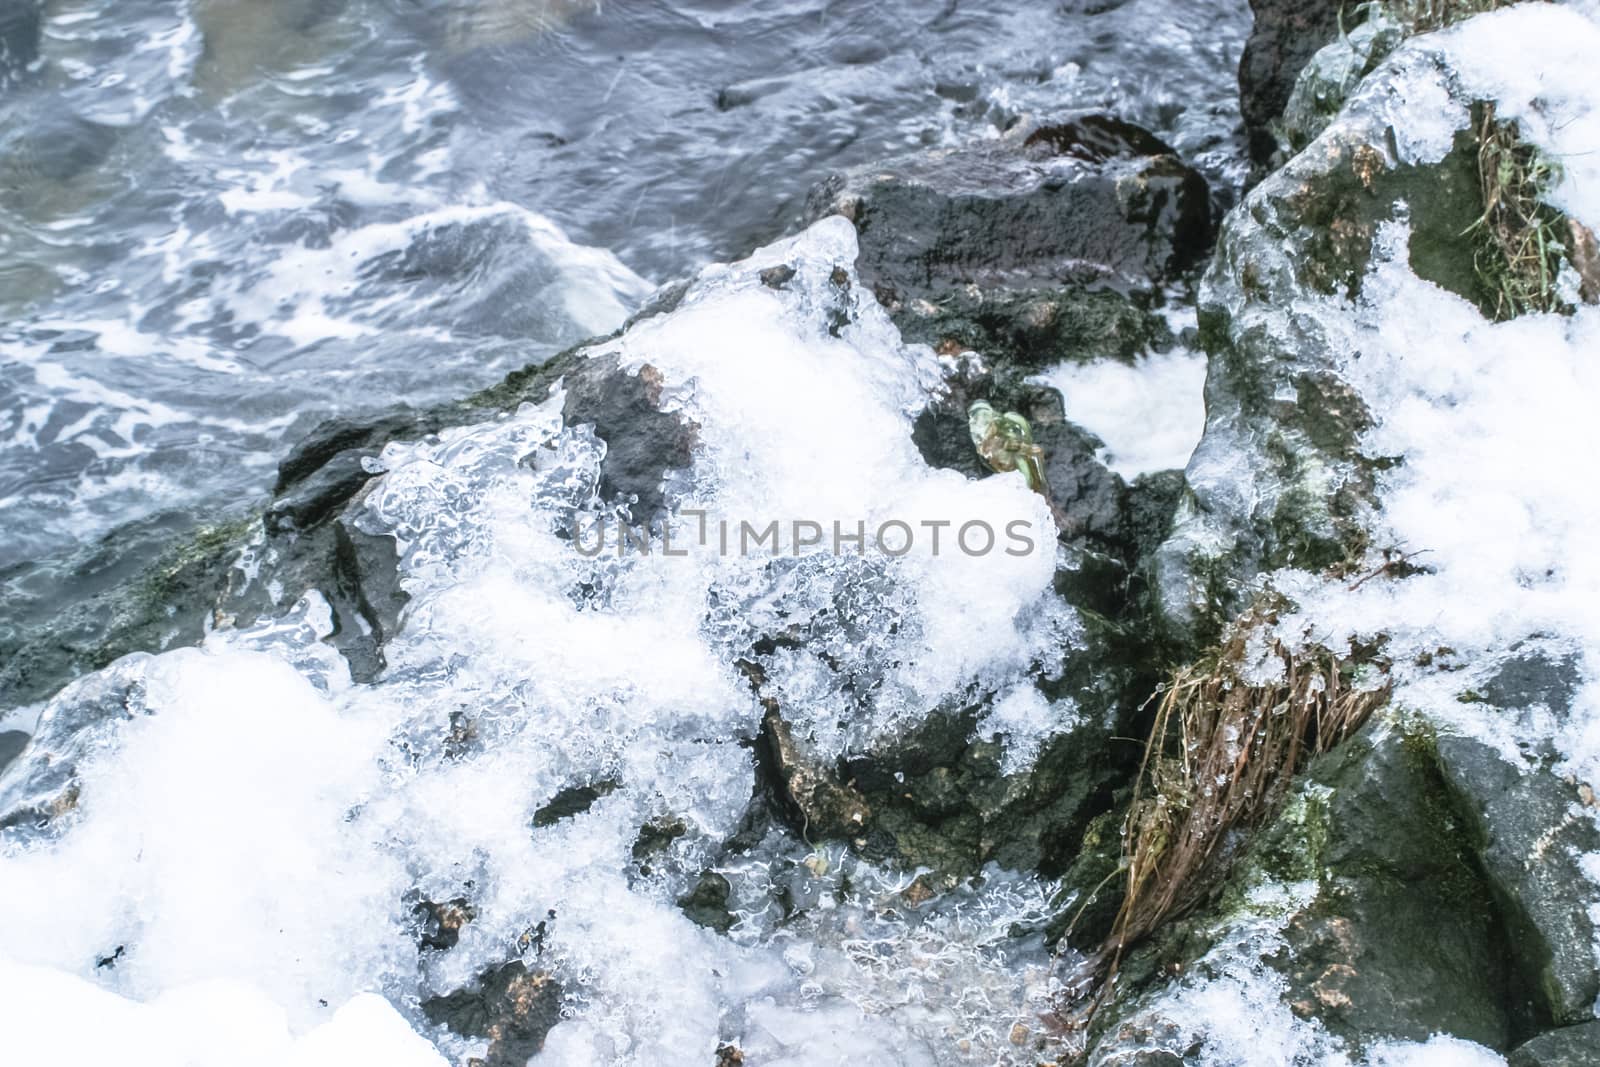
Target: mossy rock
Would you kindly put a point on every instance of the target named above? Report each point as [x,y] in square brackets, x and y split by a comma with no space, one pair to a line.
[1280,477]
[1366,892]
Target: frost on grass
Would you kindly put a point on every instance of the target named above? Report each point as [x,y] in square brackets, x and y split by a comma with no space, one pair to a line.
[249,816]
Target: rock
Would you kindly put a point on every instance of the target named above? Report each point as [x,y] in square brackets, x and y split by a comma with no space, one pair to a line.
[1403,939]
[571,801]
[1572,1046]
[41,784]
[1530,831]
[1286,34]
[1090,499]
[1332,73]
[514,1008]
[1041,246]
[1363,897]
[810,794]
[938,796]
[707,903]
[1092,887]
[439,925]
[1093,505]
[163,606]
[655,837]
[11,744]
[643,443]
[1277,404]
[1585,255]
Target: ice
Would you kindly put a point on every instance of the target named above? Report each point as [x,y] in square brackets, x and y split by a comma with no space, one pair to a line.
[247,814]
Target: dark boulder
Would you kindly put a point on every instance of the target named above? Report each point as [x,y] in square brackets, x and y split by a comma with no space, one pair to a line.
[1286,34]
[1404,939]
[1571,1046]
[1044,245]
[1365,898]
[1530,828]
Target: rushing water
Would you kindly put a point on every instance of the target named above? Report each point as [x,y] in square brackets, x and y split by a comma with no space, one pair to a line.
[221,221]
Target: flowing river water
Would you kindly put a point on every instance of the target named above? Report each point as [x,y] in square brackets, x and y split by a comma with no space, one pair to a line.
[222,221]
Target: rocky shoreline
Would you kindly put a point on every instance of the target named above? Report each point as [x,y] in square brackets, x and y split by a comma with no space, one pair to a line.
[1427,876]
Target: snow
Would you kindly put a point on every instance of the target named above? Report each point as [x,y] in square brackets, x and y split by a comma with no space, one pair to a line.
[1150,414]
[60,1018]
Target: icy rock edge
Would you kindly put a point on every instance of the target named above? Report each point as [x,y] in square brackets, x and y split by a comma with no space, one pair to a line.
[1413,478]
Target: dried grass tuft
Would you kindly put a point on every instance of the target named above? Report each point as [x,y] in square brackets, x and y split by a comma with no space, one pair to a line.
[1522,240]
[1221,756]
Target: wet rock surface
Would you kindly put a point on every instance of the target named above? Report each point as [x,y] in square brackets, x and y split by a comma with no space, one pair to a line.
[1286,34]
[1392,933]
[1530,826]
[1572,1046]
[1047,244]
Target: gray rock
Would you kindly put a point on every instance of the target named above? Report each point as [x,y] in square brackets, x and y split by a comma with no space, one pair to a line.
[1090,496]
[1572,1046]
[1279,478]
[12,743]
[1028,248]
[1328,79]
[1286,34]
[1529,828]
[1402,940]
